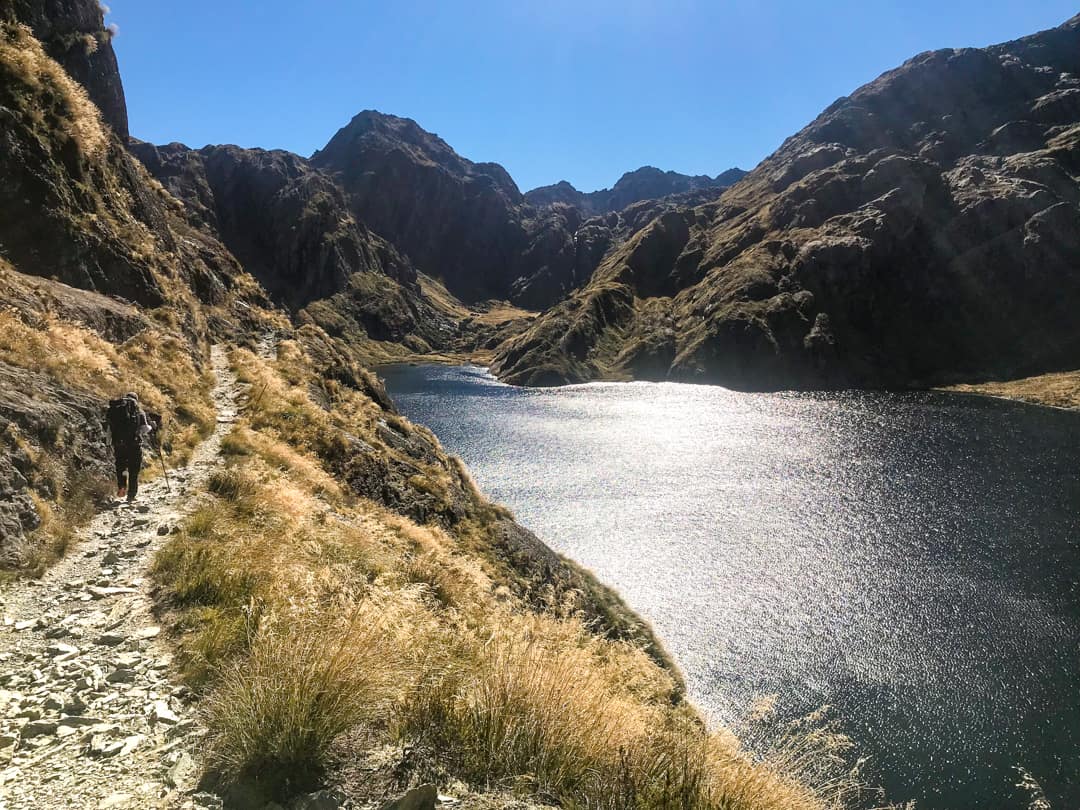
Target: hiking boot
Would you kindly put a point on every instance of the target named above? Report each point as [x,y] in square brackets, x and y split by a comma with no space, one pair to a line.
[122,492]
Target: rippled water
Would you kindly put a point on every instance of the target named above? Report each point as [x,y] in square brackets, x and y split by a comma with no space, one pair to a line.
[909,559]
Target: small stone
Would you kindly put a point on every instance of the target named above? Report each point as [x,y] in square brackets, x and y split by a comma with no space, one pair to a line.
[99,592]
[180,729]
[102,745]
[115,800]
[131,743]
[79,721]
[162,530]
[121,676]
[110,639]
[38,728]
[142,508]
[110,558]
[128,660]
[25,624]
[419,798]
[147,633]
[184,775]
[63,731]
[161,713]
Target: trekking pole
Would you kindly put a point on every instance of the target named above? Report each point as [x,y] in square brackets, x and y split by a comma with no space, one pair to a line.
[161,457]
[251,405]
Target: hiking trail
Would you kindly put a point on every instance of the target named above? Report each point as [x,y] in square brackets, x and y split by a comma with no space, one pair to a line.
[90,715]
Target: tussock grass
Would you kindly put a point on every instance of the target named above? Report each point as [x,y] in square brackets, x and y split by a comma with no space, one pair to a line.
[78,495]
[304,616]
[76,117]
[274,715]
[160,367]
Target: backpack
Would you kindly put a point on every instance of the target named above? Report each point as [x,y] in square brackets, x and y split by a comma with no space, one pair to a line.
[123,416]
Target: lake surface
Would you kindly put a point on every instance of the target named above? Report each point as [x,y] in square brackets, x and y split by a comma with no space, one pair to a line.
[910,560]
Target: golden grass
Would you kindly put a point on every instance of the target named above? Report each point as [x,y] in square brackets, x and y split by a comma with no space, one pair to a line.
[160,367]
[487,313]
[304,616]
[50,89]
[1059,390]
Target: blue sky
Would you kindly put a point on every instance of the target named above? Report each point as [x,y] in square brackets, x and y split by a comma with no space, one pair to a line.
[581,90]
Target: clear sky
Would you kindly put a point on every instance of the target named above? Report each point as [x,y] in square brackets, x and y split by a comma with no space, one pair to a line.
[581,90]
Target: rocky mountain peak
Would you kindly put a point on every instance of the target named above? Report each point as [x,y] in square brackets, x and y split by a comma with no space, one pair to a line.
[645,183]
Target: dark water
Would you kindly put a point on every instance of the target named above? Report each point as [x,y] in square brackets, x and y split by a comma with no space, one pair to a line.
[911,559]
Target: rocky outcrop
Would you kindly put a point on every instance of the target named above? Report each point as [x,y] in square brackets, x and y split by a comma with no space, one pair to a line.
[466,223]
[290,226]
[73,33]
[646,183]
[75,206]
[923,230]
[287,223]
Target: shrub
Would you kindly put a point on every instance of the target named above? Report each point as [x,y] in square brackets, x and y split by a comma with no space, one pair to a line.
[275,713]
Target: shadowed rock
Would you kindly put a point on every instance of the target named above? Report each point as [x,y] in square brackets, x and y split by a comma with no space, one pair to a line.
[923,230]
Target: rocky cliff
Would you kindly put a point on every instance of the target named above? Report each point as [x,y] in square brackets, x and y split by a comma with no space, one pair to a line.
[468,225]
[922,230]
[73,33]
[646,183]
[465,223]
[291,227]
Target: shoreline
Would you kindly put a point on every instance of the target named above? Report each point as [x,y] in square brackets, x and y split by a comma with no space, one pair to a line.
[1038,390]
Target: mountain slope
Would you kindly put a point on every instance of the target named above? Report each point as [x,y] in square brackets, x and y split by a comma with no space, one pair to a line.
[924,229]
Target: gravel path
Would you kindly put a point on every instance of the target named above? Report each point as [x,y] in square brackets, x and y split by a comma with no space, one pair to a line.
[90,716]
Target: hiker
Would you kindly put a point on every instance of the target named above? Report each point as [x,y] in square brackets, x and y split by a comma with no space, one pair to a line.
[130,427]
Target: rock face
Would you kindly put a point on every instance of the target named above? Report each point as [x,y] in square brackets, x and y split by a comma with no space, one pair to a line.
[646,183]
[290,227]
[922,230]
[74,34]
[457,220]
[287,223]
[466,223]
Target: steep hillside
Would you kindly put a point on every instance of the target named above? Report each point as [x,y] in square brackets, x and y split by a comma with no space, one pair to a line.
[99,271]
[73,33]
[922,230]
[467,224]
[290,226]
[646,183]
[464,223]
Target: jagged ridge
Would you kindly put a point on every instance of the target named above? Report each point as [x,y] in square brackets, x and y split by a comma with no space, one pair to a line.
[923,230]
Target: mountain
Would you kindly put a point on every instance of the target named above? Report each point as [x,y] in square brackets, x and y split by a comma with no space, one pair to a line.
[923,230]
[646,183]
[290,226]
[467,224]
